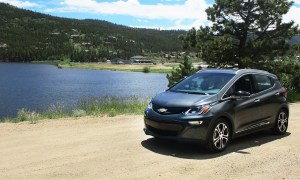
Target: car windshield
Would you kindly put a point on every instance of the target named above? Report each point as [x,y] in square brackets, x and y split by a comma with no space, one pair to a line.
[202,83]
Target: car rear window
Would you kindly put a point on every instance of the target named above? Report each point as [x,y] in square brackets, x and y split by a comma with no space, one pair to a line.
[262,82]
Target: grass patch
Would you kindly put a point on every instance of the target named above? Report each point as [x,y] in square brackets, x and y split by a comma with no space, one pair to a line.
[55,111]
[159,68]
[113,106]
[106,106]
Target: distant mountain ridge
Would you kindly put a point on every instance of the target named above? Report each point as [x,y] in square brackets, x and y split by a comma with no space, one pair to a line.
[26,35]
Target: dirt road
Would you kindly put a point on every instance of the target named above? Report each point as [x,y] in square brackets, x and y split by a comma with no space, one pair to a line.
[116,148]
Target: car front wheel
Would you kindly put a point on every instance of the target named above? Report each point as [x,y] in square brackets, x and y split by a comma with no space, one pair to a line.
[219,136]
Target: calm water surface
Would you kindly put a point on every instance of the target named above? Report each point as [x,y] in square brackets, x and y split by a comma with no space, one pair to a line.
[37,86]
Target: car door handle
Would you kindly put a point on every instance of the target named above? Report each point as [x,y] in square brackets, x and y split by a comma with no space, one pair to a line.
[277,94]
[257,100]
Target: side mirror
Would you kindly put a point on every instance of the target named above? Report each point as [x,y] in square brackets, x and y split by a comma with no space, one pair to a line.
[241,95]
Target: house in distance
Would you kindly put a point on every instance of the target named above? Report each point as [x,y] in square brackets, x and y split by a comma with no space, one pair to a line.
[132,60]
[140,60]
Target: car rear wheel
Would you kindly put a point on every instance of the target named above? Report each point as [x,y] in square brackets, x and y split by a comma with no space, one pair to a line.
[281,123]
[219,136]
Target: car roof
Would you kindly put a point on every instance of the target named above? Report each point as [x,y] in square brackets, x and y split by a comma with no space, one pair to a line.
[237,71]
[227,71]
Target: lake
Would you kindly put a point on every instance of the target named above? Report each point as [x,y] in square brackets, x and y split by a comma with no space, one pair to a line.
[37,86]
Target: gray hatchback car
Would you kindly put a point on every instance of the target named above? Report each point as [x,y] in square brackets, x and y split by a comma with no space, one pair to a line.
[214,106]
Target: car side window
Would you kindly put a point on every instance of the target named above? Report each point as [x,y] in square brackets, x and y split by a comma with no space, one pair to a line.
[262,82]
[242,84]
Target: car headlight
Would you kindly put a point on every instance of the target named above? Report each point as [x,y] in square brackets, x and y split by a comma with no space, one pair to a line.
[149,105]
[199,110]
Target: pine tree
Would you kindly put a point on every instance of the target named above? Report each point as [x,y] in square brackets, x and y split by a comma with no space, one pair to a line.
[185,69]
[247,33]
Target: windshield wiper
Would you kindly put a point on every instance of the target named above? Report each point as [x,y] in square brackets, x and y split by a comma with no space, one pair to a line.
[202,93]
[190,92]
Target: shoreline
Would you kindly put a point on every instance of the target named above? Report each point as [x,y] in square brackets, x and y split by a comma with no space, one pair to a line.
[159,68]
[97,107]
[151,68]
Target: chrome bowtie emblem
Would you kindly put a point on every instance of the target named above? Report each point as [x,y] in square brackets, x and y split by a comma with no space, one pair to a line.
[162,110]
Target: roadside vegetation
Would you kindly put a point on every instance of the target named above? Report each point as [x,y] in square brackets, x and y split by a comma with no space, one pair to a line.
[106,106]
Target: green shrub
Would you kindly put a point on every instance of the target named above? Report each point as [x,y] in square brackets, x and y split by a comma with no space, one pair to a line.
[146,69]
[26,115]
[34,117]
[288,72]
[185,69]
[54,112]
[293,96]
[78,112]
[23,115]
[112,112]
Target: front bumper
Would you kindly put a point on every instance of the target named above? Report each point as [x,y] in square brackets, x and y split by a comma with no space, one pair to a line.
[176,126]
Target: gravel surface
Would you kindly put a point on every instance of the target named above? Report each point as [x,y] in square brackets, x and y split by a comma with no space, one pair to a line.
[117,148]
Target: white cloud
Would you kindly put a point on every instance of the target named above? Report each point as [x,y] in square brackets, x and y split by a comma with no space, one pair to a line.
[293,14]
[20,4]
[142,20]
[171,0]
[178,25]
[296,2]
[191,10]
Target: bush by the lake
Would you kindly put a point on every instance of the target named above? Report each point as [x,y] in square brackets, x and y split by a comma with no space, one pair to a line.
[54,111]
[146,69]
[26,115]
[106,106]
[78,113]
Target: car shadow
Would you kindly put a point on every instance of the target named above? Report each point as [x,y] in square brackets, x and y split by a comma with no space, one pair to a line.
[196,151]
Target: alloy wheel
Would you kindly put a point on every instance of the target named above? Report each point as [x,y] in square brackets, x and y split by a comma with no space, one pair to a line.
[221,136]
[282,121]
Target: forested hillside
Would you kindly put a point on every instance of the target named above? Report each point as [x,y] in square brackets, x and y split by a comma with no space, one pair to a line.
[29,36]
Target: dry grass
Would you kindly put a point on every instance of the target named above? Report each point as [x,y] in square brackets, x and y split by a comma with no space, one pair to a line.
[159,68]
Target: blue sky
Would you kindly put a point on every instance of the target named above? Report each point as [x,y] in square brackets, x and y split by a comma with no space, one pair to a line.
[163,14]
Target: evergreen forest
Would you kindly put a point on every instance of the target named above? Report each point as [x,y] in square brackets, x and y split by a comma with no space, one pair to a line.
[30,36]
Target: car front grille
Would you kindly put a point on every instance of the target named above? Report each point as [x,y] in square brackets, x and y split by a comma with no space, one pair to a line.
[168,110]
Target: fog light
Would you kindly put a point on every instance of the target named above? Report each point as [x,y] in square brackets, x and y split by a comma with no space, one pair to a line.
[195,122]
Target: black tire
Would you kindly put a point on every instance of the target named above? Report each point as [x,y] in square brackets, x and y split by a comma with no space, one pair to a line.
[219,136]
[281,122]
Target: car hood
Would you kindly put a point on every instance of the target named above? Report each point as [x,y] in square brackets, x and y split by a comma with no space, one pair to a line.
[176,99]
